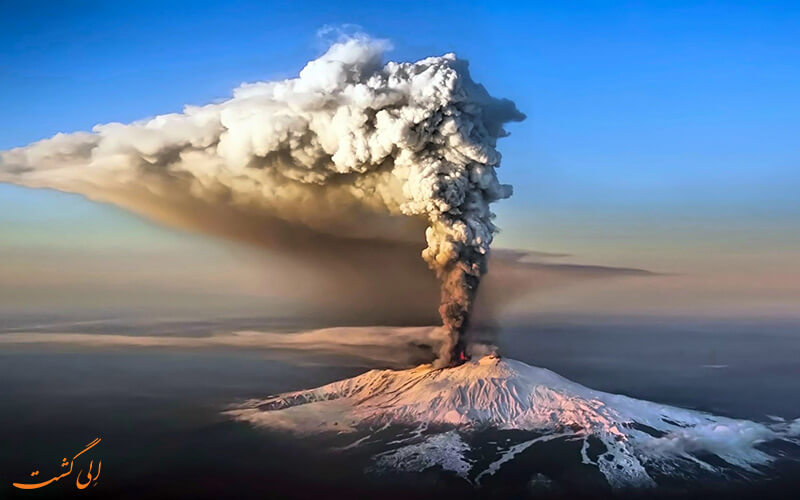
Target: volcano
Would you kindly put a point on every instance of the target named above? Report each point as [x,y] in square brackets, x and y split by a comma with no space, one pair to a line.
[630,441]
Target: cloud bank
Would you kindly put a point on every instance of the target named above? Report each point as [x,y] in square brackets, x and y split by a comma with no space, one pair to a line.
[395,346]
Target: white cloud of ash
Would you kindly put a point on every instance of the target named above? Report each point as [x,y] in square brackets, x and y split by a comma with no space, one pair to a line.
[351,156]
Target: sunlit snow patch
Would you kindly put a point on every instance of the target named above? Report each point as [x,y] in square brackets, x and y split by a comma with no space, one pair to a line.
[641,438]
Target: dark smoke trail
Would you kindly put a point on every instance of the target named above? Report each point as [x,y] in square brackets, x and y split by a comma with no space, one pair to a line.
[459,287]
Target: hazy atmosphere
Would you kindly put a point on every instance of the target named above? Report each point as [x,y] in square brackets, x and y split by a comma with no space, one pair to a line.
[205,205]
[669,161]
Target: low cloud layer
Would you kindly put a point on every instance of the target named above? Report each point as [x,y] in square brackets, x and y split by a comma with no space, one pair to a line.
[394,346]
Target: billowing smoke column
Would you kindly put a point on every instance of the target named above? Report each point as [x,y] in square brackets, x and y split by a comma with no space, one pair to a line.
[350,149]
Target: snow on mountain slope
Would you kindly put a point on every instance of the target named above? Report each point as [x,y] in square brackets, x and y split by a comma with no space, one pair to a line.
[492,392]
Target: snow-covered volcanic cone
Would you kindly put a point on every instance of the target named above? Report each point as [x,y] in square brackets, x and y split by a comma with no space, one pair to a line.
[630,441]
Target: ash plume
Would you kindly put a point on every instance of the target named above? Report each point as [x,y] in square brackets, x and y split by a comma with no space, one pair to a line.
[351,150]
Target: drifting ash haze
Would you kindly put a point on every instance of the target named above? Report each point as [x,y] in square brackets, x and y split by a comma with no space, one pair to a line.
[350,155]
[353,161]
[630,441]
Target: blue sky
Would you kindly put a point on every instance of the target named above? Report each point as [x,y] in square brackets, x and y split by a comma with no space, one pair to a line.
[654,128]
